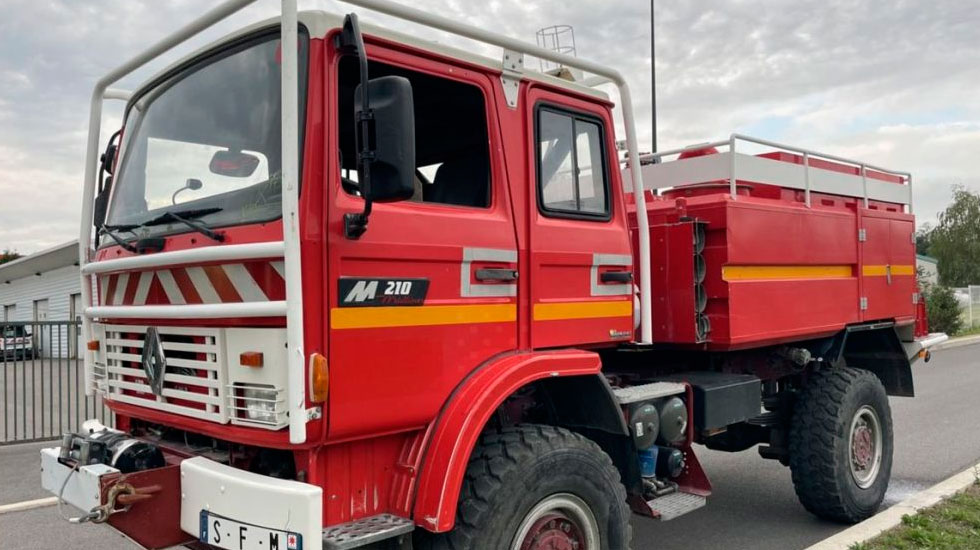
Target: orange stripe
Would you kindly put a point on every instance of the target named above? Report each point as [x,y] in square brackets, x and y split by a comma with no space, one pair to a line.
[756,272]
[557,311]
[415,316]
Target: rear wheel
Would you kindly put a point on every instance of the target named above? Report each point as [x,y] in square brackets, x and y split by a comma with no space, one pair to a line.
[841,444]
[536,487]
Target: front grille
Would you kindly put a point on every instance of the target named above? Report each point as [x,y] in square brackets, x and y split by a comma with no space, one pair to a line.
[194,381]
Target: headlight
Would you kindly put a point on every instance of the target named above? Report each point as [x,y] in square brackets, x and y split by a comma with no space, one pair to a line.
[261,404]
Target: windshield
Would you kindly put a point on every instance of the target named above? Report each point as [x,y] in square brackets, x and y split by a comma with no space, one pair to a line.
[207,137]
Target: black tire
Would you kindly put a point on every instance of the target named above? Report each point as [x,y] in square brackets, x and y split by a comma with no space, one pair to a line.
[514,469]
[820,449]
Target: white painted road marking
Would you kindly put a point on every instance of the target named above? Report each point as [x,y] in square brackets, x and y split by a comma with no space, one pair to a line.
[27,505]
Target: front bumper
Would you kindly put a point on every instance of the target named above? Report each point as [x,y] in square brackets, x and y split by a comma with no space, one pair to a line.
[249,498]
[181,490]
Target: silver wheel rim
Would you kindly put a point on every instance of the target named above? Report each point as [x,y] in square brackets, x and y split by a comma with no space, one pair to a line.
[864,447]
[568,505]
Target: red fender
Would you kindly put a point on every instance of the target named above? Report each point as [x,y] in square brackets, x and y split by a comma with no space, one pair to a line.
[466,413]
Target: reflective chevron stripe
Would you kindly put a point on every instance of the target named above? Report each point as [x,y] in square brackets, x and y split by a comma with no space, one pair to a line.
[260,281]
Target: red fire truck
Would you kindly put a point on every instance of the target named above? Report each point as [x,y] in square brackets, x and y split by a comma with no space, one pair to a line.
[351,289]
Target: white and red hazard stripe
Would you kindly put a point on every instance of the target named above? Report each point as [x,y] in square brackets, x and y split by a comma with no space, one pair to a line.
[257,281]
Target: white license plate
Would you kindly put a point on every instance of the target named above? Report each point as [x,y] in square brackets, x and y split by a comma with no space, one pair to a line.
[234,535]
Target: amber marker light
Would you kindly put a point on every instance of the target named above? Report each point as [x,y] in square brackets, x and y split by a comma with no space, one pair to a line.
[251,359]
[319,378]
[92,345]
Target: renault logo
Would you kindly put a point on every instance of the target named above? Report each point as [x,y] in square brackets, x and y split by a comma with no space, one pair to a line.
[154,362]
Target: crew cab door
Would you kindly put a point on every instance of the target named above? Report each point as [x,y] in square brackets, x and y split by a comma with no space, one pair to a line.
[581,267]
[429,291]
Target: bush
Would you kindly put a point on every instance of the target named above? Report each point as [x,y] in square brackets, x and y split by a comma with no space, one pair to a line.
[942,310]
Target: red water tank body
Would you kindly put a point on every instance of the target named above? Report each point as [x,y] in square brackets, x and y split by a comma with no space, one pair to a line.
[764,268]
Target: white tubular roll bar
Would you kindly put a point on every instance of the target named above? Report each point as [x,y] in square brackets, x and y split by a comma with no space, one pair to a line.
[228,252]
[475,33]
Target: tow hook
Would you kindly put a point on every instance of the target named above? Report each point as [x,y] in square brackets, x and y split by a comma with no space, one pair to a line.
[125,495]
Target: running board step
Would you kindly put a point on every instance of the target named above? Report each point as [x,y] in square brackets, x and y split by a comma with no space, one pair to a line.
[362,532]
[676,504]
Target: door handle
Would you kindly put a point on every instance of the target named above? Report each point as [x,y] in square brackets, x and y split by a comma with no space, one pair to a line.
[492,274]
[616,277]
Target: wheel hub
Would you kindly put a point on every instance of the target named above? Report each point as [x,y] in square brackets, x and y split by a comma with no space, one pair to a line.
[865,447]
[554,531]
[558,522]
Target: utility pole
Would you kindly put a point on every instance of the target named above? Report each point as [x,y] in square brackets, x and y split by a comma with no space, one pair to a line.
[653,81]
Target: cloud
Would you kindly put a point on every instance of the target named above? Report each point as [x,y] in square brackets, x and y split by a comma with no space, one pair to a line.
[892,82]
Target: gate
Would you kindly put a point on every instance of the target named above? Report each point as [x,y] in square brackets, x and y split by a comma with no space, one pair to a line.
[43,382]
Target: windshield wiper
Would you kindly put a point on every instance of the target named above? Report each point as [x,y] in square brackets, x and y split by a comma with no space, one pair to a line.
[110,230]
[184,218]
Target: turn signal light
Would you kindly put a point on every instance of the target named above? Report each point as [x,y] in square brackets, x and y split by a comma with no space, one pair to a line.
[250,359]
[92,345]
[319,378]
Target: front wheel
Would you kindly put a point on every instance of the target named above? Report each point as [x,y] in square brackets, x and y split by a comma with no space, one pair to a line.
[841,444]
[534,487]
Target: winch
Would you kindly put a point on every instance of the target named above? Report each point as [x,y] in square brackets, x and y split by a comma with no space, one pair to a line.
[102,445]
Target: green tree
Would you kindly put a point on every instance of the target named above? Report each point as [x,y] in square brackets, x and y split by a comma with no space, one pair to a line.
[922,239]
[942,310]
[8,256]
[955,241]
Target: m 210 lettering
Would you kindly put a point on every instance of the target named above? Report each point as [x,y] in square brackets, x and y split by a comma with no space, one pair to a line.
[373,291]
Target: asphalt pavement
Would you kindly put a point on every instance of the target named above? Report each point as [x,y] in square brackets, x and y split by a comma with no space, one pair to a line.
[753,505]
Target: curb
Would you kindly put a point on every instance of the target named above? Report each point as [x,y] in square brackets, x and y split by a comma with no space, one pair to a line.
[885,520]
[957,342]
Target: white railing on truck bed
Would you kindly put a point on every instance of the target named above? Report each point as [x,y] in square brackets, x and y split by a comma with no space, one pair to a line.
[732,166]
[296,384]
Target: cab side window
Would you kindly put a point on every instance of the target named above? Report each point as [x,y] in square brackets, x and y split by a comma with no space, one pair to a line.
[452,154]
[572,175]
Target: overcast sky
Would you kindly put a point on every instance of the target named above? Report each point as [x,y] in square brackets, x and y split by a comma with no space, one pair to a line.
[892,82]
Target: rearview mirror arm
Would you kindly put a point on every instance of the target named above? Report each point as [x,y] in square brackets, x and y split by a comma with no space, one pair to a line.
[105,167]
[355,224]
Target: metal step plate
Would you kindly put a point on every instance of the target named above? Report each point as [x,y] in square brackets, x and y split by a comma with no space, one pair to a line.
[644,392]
[676,505]
[365,531]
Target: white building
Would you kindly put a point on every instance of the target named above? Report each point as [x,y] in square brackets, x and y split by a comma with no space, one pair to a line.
[44,287]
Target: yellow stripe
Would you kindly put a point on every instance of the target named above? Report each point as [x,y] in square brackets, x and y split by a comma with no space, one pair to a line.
[415,316]
[582,310]
[882,270]
[743,272]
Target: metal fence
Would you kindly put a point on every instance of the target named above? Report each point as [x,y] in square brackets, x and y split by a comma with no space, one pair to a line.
[968,298]
[43,382]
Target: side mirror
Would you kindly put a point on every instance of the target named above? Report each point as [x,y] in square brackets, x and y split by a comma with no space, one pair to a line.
[106,166]
[387,171]
[109,157]
[101,204]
